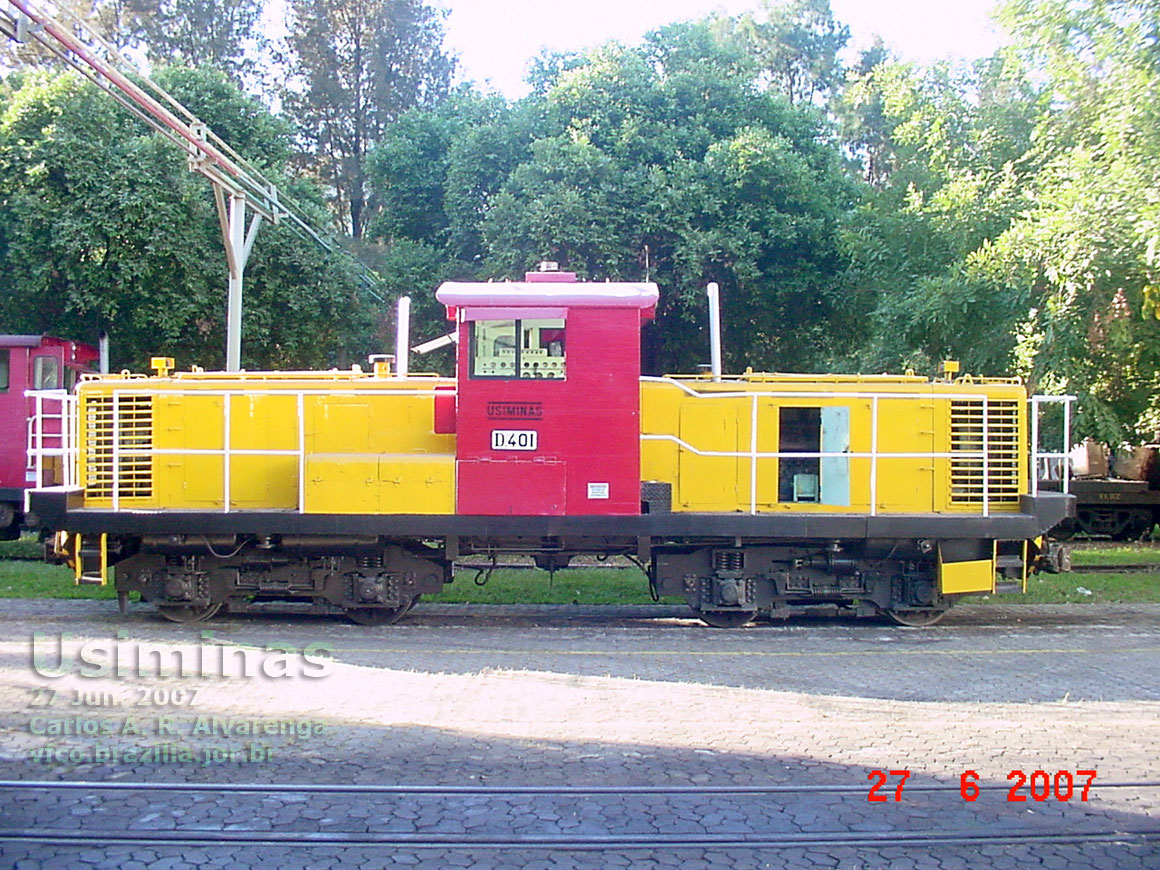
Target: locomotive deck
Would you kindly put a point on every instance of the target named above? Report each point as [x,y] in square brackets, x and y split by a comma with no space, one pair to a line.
[63,509]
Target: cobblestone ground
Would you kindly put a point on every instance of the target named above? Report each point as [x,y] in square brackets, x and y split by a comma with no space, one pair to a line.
[570,697]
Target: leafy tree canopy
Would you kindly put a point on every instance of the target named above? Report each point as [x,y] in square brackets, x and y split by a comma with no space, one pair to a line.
[663,161]
[102,226]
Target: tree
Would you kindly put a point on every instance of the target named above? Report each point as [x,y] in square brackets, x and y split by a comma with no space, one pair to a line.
[795,46]
[666,162]
[1087,248]
[662,161]
[359,65]
[222,34]
[949,155]
[107,19]
[102,226]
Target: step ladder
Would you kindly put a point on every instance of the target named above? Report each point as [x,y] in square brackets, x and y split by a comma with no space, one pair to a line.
[91,559]
[1010,585]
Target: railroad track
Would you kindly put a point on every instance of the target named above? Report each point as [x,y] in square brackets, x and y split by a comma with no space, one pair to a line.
[1112,568]
[231,837]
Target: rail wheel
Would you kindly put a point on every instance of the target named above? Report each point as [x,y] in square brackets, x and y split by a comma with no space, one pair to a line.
[916,618]
[378,615]
[188,614]
[726,618]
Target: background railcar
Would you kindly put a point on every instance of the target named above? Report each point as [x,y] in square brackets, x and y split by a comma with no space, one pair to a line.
[30,362]
[747,495]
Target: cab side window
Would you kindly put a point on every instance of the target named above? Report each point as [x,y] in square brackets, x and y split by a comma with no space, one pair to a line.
[45,373]
[4,363]
[522,349]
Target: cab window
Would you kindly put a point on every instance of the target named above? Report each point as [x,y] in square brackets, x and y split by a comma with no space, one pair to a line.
[4,355]
[524,349]
[45,373]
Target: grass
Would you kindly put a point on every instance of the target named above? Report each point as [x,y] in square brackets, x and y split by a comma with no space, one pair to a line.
[574,586]
[27,547]
[1116,554]
[628,585]
[37,580]
[1143,588]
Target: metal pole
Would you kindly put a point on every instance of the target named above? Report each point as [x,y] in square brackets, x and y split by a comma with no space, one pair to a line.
[238,241]
[235,242]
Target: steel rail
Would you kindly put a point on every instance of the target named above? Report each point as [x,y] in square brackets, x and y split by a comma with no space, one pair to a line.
[1112,568]
[566,790]
[564,842]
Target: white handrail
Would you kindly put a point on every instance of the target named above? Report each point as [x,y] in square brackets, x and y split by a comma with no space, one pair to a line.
[1036,455]
[874,455]
[70,451]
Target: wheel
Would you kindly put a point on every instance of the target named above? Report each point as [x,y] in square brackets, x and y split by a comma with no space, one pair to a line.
[726,618]
[186,613]
[378,615]
[1137,526]
[916,618]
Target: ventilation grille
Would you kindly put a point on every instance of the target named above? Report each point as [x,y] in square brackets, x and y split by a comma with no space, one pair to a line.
[133,426]
[1003,453]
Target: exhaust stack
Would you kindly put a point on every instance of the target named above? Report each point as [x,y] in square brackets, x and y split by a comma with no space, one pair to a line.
[714,294]
[402,336]
[103,350]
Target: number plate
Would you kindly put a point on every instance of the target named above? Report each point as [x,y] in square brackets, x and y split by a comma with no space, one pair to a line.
[514,439]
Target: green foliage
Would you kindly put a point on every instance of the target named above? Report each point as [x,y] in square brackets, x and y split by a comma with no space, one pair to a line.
[947,157]
[102,226]
[196,33]
[663,161]
[1088,243]
[357,67]
[795,46]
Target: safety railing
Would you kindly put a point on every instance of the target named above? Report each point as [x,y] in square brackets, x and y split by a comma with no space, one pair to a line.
[123,455]
[1050,465]
[983,455]
[51,434]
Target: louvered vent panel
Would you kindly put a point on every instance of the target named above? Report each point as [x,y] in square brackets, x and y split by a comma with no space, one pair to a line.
[1003,453]
[133,432]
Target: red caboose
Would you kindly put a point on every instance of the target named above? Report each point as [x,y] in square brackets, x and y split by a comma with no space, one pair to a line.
[29,362]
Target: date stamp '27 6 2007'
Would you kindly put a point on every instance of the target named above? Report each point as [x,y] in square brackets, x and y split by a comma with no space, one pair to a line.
[1062,785]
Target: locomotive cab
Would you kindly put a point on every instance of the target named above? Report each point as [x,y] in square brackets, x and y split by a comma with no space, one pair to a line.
[548,406]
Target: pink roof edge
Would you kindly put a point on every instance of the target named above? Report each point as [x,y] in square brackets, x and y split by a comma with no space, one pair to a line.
[564,294]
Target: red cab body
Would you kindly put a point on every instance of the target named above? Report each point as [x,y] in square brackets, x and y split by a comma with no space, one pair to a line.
[548,404]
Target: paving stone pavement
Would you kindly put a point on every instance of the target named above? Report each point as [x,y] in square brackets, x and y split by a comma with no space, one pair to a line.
[567,697]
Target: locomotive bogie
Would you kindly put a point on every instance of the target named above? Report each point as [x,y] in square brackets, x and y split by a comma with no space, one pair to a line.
[372,582]
[865,578]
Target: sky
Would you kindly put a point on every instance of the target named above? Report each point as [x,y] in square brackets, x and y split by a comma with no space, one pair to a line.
[495,39]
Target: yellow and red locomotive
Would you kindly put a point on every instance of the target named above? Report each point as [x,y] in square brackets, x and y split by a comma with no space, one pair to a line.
[357,491]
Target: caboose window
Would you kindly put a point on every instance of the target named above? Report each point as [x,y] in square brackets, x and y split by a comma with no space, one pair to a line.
[4,355]
[45,373]
[523,349]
